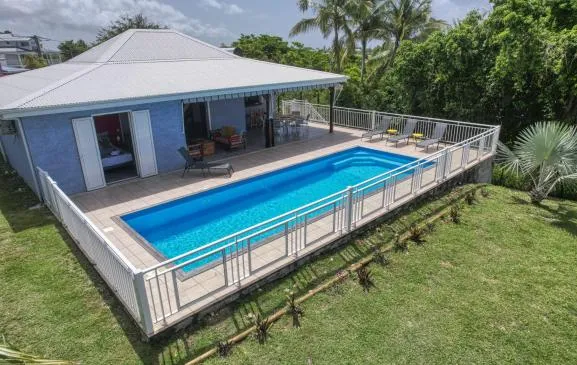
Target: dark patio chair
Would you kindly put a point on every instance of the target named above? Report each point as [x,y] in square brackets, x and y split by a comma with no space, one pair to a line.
[192,157]
[195,161]
[406,134]
[380,130]
[438,134]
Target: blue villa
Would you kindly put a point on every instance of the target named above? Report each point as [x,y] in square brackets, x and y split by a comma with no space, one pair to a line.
[121,109]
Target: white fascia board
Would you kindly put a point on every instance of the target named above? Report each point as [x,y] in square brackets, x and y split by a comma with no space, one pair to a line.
[18,113]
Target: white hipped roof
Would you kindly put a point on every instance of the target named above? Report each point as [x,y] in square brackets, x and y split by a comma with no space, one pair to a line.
[146,66]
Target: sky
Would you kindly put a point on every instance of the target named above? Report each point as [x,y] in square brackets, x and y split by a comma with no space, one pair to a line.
[214,21]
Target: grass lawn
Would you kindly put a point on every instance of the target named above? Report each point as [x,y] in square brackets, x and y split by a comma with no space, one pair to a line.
[499,287]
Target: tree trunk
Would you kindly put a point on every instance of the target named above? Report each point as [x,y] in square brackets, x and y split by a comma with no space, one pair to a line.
[537,196]
[337,50]
[363,59]
[394,53]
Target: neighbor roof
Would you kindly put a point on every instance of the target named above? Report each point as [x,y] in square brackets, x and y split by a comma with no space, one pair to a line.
[15,50]
[12,38]
[145,66]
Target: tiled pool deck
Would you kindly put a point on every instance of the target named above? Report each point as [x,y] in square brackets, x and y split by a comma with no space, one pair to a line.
[172,298]
[102,206]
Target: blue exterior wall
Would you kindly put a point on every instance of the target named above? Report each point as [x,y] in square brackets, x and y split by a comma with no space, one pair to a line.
[15,151]
[53,146]
[230,112]
[168,134]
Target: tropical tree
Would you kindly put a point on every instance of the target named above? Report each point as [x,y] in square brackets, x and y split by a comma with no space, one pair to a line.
[124,23]
[331,17]
[546,154]
[32,61]
[262,47]
[514,66]
[408,19]
[71,48]
[368,20]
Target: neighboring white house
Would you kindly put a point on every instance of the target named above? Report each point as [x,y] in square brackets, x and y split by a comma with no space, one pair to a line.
[13,49]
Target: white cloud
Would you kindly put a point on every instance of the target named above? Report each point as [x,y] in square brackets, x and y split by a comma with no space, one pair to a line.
[212,3]
[85,17]
[234,9]
[221,5]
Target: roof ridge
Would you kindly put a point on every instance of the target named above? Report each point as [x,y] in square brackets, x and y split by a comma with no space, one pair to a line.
[116,46]
[293,67]
[220,50]
[170,60]
[119,47]
[51,87]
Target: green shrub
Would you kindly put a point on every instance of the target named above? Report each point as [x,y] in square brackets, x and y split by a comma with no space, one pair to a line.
[365,278]
[223,348]
[417,233]
[471,197]
[503,178]
[455,214]
[564,190]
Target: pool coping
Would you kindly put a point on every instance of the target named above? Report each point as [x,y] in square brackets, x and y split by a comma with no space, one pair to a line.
[184,275]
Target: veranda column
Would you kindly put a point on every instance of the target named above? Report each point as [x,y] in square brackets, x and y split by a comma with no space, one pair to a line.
[331,108]
[271,105]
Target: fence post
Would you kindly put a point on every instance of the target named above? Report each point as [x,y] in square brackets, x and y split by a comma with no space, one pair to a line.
[142,300]
[417,176]
[495,139]
[446,167]
[481,148]
[349,209]
[465,155]
[373,120]
[53,200]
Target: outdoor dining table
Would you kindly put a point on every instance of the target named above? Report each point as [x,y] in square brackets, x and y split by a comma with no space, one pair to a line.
[289,124]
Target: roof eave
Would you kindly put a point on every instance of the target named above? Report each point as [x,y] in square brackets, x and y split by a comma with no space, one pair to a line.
[28,112]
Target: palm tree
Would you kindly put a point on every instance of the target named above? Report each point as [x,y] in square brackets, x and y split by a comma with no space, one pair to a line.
[330,17]
[369,20]
[545,153]
[408,19]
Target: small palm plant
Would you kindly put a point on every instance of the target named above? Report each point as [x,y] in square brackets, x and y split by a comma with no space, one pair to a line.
[262,325]
[545,153]
[365,278]
[223,348]
[294,309]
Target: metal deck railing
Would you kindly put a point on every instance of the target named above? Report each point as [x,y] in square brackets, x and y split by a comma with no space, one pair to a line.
[162,294]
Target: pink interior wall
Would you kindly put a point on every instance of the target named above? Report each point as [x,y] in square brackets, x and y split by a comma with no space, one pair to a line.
[108,123]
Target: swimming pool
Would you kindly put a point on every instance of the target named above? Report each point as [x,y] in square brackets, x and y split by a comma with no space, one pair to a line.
[191,222]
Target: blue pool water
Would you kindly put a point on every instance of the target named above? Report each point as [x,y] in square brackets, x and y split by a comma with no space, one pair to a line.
[185,224]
